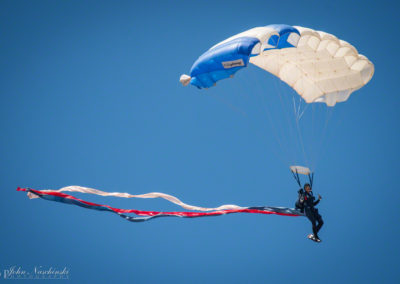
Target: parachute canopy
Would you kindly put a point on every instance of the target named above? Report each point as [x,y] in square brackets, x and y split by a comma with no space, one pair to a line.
[300,170]
[317,65]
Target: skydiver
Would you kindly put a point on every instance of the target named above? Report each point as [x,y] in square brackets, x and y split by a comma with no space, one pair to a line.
[306,204]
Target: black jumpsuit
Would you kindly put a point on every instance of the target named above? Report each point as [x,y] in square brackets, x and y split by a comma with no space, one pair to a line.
[312,213]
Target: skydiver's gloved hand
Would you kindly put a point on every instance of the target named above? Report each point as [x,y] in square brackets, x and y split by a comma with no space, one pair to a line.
[319,197]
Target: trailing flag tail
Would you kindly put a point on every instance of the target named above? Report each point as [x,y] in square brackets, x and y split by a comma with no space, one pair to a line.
[59,196]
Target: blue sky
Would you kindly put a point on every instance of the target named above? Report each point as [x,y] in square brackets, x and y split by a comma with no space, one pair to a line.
[90,96]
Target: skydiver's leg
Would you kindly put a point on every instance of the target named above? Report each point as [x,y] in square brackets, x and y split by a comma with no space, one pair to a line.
[315,229]
[310,215]
[320,222]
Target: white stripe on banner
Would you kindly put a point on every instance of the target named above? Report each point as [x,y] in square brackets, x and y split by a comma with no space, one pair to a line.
[170,198]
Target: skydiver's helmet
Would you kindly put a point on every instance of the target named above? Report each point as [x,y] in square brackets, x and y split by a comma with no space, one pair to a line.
[307,184]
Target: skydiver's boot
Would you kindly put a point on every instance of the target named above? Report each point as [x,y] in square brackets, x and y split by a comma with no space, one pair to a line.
[314,238]
[311,237]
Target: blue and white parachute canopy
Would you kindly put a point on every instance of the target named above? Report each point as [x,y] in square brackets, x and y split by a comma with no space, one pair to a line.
[317,65]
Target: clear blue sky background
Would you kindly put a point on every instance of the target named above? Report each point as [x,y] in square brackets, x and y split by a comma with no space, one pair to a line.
[90,96]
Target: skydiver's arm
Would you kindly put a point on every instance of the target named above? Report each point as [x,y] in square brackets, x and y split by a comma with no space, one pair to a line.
[319,198]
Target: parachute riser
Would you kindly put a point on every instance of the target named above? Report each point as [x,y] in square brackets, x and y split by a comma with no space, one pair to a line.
[305,171]
[297,178]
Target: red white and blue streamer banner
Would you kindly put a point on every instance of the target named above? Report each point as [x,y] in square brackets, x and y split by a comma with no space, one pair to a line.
[59,196]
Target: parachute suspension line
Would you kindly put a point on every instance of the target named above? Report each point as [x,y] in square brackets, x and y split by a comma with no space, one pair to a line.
[311,179]
[298,109]
[300,136]
[301,142]
[295,109]
[230,105]
[241,91]
[296,117]
[322,137]
[298,114]
[291,136]
[278,131]
[316,141]
[277,136]
[289,132]
[313,143]
[313,130]
[256,81]
[328,117]
[294,106]
[286,127]
[304,109]
[297,178]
